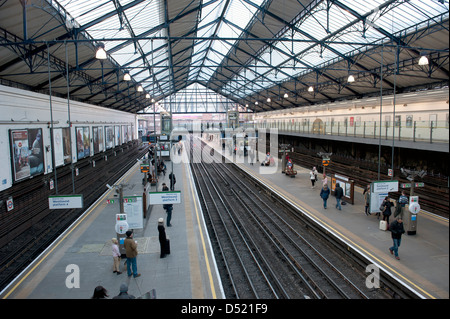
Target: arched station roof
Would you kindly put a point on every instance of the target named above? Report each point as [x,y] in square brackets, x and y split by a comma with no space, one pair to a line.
[295,52]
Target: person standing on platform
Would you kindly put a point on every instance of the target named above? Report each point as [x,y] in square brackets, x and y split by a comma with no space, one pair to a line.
[116,256]
[387,211]
[402,201]
[167,207]
[325,193]
[397,230]
[173,180]
[131,252]
[313,176]
[162,237]
[339,192]
[366,194]
[325,180]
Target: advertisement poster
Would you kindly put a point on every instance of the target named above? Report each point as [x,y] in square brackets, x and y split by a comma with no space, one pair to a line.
[61,142]
[117,135]
[109,133]
[27,153]
[83,142]
[97,136]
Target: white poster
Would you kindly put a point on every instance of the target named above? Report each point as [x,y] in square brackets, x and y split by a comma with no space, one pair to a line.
[132,206]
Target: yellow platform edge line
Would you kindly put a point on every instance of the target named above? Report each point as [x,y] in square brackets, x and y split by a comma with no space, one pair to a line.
[349,241]
[72,228]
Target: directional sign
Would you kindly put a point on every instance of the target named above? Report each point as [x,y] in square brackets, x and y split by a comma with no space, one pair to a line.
[173,197]
[408,185]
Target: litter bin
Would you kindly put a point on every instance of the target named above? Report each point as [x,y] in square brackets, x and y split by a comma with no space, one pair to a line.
[410,218]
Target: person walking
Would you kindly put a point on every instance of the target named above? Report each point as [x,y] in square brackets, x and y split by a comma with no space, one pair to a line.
[313,176]
[325,193]
[116,256]
[131,253]
[338,192]
[397,230]
[173,180]
[123,293]
[162,237]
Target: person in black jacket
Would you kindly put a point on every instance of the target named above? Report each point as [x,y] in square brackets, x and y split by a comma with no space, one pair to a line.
[397,230]
[162,237]
[338,192]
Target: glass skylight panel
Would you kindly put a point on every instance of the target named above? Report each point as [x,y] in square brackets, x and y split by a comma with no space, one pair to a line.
[84,11]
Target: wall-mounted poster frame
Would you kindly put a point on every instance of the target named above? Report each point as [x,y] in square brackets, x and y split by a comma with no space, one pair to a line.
[27,153]
[83,142]
[62,149]
[97,138]
[109,137]
[117,135]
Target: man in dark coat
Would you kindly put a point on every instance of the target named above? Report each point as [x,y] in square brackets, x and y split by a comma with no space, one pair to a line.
[397,230]
[338,192]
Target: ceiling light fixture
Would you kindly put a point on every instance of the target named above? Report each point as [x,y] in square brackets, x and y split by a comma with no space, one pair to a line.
[269,100]
[286,95]
[310,89]
[351,79]
[101,53]
[140,89]
[423,60]
[127,77]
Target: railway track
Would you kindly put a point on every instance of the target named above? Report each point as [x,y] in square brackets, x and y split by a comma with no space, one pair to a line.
[265,251]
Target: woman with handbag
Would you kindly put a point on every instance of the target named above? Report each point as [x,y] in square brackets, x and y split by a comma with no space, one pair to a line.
[387,209]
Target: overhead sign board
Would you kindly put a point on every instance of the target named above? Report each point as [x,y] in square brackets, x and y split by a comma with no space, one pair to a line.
[384,186]
[65,201]
[173,197]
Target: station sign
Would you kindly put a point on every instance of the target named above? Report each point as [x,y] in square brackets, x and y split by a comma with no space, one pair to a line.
[408,185]
[172,197]
[384,186]
[65,201]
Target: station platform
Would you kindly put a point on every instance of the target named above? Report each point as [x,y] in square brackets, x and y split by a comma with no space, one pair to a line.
[189,272]
[424,257]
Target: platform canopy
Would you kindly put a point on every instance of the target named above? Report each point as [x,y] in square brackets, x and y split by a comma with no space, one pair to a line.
[260,55]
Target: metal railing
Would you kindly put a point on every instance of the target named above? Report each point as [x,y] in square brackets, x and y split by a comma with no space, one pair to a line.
[416,131]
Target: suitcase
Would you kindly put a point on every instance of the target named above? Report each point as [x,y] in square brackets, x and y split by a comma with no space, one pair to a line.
[167,247]
[383,225]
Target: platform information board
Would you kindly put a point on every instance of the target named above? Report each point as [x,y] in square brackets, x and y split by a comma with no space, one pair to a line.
[172,197]
[132,206]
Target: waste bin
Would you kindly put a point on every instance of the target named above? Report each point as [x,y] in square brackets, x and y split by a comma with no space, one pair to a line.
[410,218]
